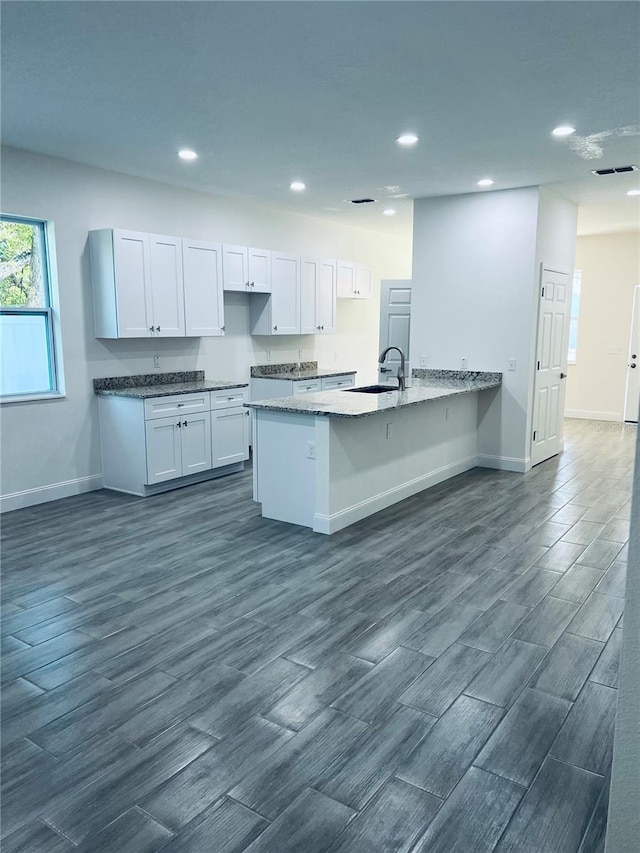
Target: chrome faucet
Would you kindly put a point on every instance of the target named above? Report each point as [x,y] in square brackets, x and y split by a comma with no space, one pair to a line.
[402,383]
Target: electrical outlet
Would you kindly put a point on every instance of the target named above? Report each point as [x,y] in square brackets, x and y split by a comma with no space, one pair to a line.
[268,355]
[463,363]
[300,354]
[423,361]
[512,364]
[156,361]
[311,450]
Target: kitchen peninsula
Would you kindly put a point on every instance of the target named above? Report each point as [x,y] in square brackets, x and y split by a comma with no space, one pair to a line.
[326,460]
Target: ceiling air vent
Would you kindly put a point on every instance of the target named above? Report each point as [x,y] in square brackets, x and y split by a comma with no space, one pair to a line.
[362,200]
[616,170]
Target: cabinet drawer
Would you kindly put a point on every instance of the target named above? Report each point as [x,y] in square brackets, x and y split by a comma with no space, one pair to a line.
[227,398]
[306,387]
[334,383]
[176,404]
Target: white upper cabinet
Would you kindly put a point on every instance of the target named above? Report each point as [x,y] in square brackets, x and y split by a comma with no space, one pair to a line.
[235,267]
[203,302]
[354,281]
[167,288]
[278,313]
[246,270]
[317,296]
[259,267]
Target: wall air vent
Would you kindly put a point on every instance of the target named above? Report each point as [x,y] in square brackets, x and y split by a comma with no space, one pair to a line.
[362,200]
[616,170]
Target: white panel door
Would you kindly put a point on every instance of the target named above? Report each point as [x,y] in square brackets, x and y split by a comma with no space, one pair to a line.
[395,328]
[309,274]
[285,294]
[167,285]
[259,270]
[235,268]
[203,296]
[363,283]
[196,443]
[346,273]
[632,396]
[326,296]
[230,436]
[164,454]
[551,365]
[133,284]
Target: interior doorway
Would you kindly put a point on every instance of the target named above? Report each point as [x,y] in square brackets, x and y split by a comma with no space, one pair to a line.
[632,394]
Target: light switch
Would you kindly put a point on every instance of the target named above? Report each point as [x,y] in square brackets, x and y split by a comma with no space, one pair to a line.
[512,364]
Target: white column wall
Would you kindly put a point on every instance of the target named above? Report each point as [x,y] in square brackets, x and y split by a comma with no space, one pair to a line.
[52,448]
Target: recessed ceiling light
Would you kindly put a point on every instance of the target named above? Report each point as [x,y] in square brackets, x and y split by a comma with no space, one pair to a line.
[298,186]
[389,212]
[633,192]
[407,139]
[563,130]
[485,182]
[187,154]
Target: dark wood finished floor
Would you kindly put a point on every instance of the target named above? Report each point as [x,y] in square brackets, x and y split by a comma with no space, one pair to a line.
[181,674]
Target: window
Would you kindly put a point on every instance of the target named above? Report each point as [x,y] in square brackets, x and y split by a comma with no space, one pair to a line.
[28,364]
[575,310]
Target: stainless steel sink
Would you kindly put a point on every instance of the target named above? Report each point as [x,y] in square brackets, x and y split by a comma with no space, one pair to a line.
[373,389]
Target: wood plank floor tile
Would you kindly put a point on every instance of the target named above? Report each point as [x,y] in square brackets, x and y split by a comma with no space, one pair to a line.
[485,590]
[546,622]
[433,637]
[567,667]
[387,634]
[473,817]
[311,822]
[560,556]
[614,580]
[597,617]
[442,758]
[519,745]
[132,832]
[600,554]
[555,812]
[371,697]
[577,583]
[490,631]
[36,837]
[327,638]
[606,670]
[502,679]
[530,588]
[391,822]
[227,827]
[586,738]
[445,680]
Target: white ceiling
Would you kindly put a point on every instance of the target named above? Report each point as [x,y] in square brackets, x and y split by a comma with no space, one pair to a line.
[270,92]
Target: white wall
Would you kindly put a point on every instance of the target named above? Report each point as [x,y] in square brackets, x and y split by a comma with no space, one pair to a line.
[45,444]
[476,261]
[610,265]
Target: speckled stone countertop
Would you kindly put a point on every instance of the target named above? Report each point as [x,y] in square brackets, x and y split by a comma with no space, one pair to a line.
[148,385]
[294,371]
[435,385]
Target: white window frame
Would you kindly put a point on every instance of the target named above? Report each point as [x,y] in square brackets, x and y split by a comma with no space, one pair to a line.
[51,312]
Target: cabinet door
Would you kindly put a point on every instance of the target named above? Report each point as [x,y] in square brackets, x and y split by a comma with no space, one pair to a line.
[335,383]
[230,436]
[167,285]
[132,273]
[259,273]
[363,283]
[164,454]
[346,280]
[234,268]
[309,272]
[326,297]
[285,294]
[203,301]
[196,443]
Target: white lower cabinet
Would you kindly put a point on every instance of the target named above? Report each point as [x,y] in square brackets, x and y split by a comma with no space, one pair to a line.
[146,444]
[269,389]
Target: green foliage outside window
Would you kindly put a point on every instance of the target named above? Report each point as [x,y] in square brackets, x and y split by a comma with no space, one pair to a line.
[21,273]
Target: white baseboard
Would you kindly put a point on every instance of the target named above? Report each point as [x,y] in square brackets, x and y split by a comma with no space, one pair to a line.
[588,415]
[52,492]
[504,463]
[338,520]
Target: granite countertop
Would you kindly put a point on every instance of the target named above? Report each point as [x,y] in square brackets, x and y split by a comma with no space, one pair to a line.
[149,385]
[295,371]
[423,387]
